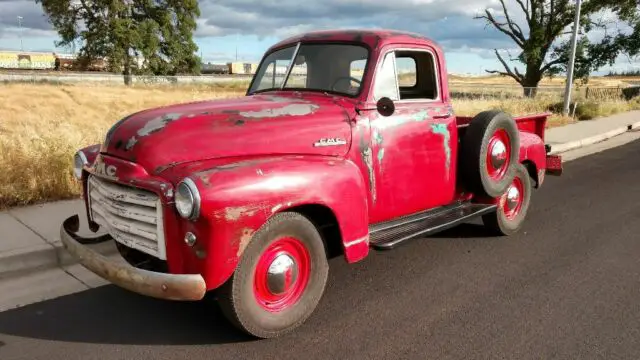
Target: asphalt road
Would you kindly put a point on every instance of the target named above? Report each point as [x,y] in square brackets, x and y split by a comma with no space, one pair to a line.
[567,287]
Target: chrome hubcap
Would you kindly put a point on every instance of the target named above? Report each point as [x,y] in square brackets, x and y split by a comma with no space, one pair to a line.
[498,154]
[513,197]
[282,272]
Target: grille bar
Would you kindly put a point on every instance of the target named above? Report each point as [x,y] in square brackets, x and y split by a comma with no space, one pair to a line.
[131,215]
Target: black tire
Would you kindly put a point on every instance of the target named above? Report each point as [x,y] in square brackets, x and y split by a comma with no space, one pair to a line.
[474,148]
[498,221]
[236,296]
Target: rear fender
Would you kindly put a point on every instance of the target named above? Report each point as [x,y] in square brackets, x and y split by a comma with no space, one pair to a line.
[533,155]
[238,198]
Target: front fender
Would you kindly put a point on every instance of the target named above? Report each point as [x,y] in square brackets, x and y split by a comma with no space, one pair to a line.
[90,152]
[238,198]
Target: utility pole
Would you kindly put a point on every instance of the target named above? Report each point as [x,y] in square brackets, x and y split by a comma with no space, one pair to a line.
[572,59]
[20,27]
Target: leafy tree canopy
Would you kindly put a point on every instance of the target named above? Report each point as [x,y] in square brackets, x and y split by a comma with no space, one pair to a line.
[545,21]
[158,32]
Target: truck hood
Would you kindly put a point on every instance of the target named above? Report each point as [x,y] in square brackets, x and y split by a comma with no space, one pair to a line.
[244,127]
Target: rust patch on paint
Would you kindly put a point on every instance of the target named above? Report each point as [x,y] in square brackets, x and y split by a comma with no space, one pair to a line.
[235,213]
[204,174]
[244,240]
[288,110]
[367,158]
[162,168]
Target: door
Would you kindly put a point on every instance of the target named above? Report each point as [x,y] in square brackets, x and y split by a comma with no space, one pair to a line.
[414,149]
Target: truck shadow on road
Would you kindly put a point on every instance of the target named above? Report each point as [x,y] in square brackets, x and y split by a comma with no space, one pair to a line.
[110,315]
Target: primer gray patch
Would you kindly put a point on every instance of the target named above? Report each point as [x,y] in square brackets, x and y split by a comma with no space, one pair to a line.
[289,110]
[131,143]
[158,123]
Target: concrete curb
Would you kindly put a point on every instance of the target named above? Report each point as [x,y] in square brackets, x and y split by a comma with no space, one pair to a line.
[43,257]
[572,145]
[48,256]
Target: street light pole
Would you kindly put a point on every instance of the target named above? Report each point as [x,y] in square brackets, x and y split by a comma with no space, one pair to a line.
[572,59]
[20,34]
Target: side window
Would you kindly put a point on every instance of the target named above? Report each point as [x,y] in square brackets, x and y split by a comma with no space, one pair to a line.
[386,84]
[357,69]
[407,72]
[417,75]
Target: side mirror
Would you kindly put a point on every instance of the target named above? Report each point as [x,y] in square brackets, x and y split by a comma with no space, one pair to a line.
[385,106]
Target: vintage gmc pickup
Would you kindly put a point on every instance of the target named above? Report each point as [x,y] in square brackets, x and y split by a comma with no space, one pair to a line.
[336,149]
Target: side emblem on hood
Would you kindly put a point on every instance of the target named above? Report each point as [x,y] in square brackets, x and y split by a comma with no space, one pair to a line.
[105,170]
[329,142]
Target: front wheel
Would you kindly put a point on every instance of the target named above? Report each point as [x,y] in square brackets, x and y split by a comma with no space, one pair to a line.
[279,280]
[513,205]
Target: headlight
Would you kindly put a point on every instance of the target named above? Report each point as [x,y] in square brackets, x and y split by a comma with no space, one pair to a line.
[79,160]
[188,199]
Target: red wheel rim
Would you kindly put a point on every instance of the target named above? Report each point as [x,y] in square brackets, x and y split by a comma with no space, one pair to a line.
[513,199]
[498,155]
[282,274]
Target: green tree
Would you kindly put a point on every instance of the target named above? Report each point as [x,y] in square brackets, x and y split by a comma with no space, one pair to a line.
[135,36]
[544,22]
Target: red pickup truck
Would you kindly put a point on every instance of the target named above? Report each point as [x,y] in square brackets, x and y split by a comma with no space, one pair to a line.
[346,141]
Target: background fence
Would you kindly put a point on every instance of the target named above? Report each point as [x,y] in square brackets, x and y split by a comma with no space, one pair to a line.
[459,90]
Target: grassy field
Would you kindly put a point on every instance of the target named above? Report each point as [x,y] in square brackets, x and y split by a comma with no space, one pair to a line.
[41,126]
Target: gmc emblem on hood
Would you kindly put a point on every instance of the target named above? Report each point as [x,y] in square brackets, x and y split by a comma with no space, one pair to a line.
[330,142]
[105,170]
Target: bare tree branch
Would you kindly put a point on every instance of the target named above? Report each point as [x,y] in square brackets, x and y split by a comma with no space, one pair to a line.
[515,28]
[525,9]
[500,27]
[516,76]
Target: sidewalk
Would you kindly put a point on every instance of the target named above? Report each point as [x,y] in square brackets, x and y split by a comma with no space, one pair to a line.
[30,240]
[588,132]
[30,237]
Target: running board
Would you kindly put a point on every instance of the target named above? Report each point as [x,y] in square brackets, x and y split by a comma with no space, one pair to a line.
[388,235]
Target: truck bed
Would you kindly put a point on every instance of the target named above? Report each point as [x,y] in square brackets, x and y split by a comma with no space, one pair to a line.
[534,123]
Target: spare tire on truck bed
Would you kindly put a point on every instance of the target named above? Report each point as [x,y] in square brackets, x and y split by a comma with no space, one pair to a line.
[489,153]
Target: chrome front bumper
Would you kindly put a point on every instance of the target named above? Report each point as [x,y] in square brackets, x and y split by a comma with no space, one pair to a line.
[154,284]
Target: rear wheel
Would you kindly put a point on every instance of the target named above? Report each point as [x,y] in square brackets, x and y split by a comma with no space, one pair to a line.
[489,153]
[279,280]
[513,205]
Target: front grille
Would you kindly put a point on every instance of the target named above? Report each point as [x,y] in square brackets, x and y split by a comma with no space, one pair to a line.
[131,215]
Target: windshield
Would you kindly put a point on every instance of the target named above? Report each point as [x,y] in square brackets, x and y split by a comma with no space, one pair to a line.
[335,68]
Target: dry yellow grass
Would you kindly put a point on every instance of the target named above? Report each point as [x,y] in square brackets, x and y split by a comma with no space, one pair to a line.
[41,126]
[607,81]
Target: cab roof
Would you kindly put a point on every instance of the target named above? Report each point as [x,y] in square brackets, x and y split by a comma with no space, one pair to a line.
[372,37]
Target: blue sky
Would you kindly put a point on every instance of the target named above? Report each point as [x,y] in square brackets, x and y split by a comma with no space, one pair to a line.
[252,26]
